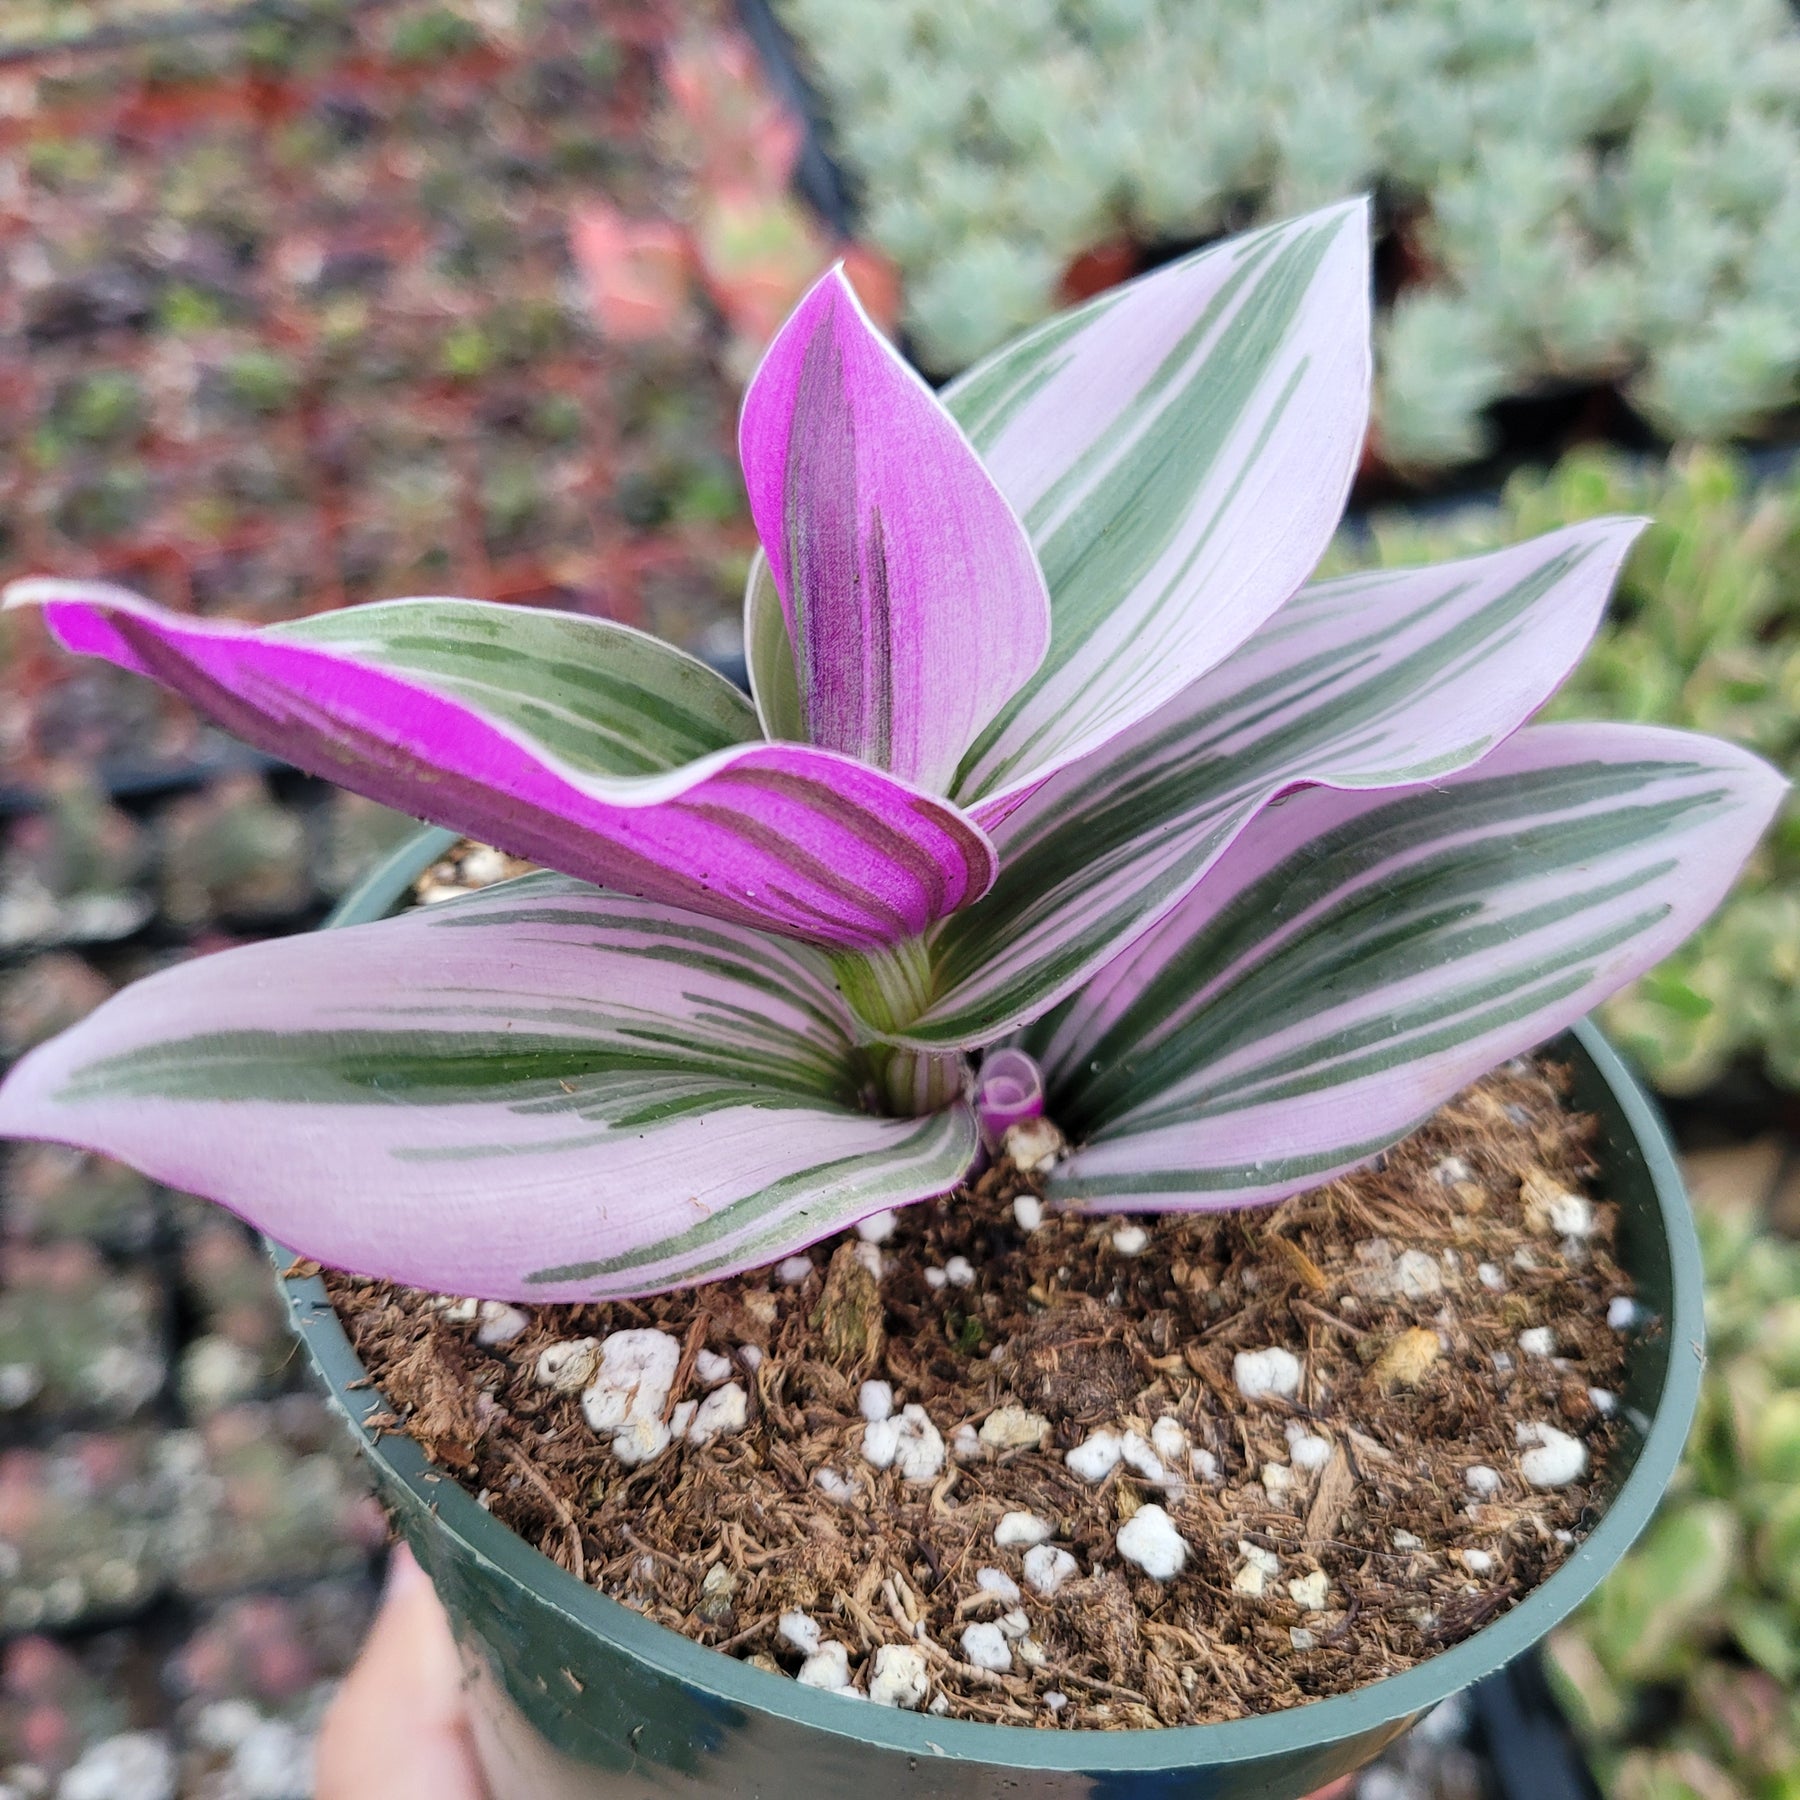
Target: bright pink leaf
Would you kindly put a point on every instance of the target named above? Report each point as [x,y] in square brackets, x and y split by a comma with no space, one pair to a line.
[781,837]
[914,601]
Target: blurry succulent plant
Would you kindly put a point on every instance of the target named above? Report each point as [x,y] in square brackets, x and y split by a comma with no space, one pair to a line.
[1598,191]
[1052,756]
[1704,633]
[1680,1672]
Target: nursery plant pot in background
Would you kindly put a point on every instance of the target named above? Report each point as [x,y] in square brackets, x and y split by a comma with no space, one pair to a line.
[576,1697]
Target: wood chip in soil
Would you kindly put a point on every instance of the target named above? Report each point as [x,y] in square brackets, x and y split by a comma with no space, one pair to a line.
[1332,1537]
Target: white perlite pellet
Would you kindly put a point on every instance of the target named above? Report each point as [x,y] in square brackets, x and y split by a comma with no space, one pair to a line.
[1149,1539]
[751,1356]
[1555,1210]
[877,1228]
[986,1647]
[910,1445]
[724,1411]
[1306,1450]
[642,1441]
[875,1401]
[959,1272]
[1015,1626]
[898,1677]
[1258,1558]
[1055,1701]
[1028,1212]
[1168,1440]
[1417,1276]
[1550,1458]
[936,1278]
[800,1630]
[710,1368]
[1266,1374]
[1604,1401]
[1047,1568]
[1406,1540]
[1131,1240]
[1538,1340]
[630,1392]
[1622,1313]
[1136,1453]
[500,1323]
[1481,1480]
[1022,1528]
[965,1443]
[997,1585]
[1205,1465]
[828,1667]
[836,1486]
[1260,1568]
[1096,1456]
[568,1367]
[793,1270]
[869,1255]
[1310,1592]
[1477,1562]
[1033,1144]
[1013,1428]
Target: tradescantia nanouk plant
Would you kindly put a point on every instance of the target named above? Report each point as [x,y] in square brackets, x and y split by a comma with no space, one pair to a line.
[1052,755]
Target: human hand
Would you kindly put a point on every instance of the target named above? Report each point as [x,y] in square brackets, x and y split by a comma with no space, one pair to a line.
[397,1729]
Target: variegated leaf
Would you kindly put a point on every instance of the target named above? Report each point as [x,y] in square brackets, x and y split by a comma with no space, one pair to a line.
[580,745]
[912,597]
[1370,681]
[769,656]
[1356,959]
[1180,450]
[536,1092]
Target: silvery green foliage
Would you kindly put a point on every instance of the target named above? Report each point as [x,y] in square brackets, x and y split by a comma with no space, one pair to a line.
[1609,189]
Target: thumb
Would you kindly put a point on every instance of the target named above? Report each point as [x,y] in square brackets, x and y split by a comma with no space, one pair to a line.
[397,1727]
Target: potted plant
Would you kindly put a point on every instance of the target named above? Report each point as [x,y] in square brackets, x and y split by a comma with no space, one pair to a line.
[1060,793]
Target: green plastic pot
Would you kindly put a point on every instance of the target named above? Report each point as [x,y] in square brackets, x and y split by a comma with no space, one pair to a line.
[575,1697]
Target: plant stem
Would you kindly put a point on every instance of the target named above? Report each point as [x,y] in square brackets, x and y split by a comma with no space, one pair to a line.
[914,1082]
[888,989]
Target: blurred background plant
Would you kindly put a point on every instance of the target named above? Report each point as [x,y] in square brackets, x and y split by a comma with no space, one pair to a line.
[1576,194]
[1681,1673]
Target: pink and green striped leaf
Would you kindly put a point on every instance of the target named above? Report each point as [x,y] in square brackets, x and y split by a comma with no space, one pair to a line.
[1370,681]
[915,606]
[1180,450]
[536,1092]
[1358,958]
[579,744]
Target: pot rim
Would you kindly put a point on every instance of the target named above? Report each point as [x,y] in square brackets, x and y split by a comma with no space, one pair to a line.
[736,1684]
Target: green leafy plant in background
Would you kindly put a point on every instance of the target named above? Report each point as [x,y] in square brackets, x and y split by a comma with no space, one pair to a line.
[1582,189]
[1680,1673]
[1704,632]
